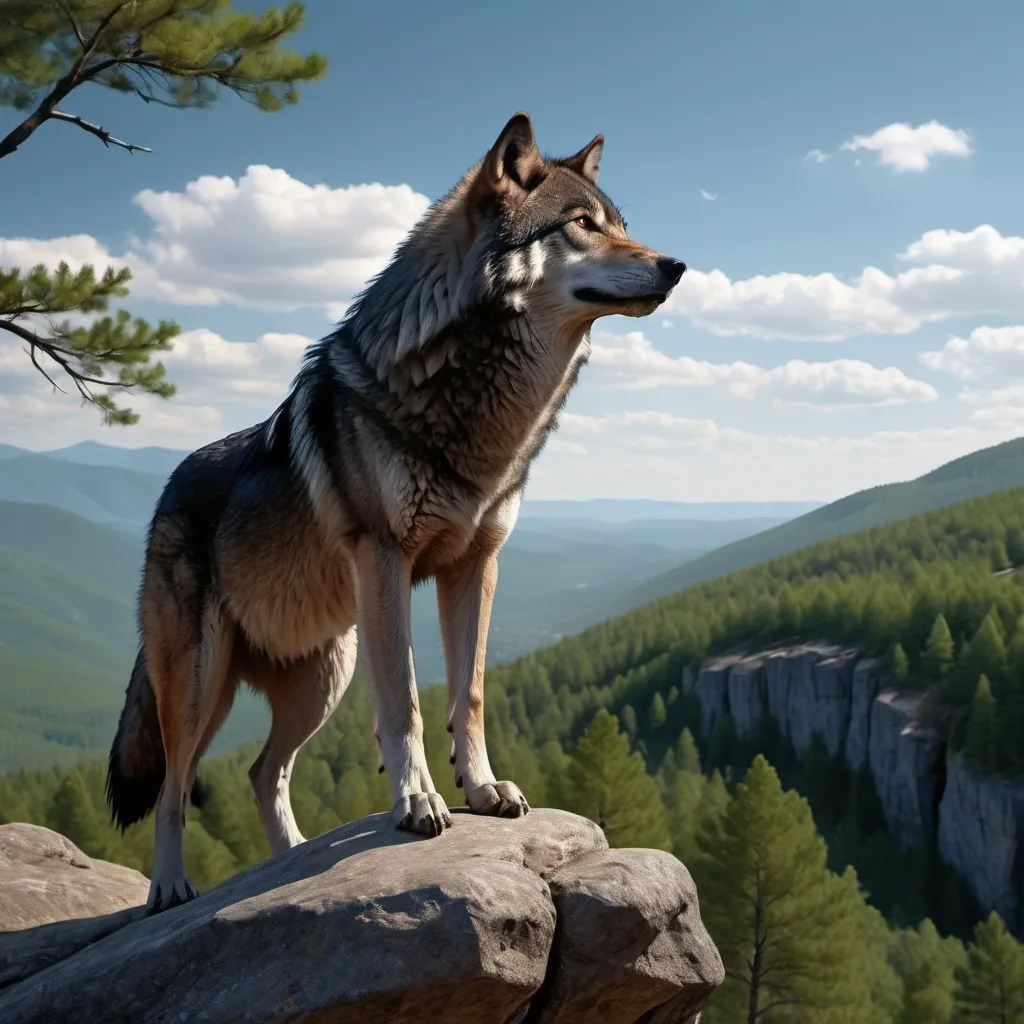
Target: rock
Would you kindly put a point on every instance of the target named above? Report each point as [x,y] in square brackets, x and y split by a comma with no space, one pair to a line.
[905,758]
[630,940]
[366,923]
[867,681]
[808,691]
[981,827]
[746,694]
[711,689]
[45,878]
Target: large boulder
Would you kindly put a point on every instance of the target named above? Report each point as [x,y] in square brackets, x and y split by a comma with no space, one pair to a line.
[44,879]
[366,923]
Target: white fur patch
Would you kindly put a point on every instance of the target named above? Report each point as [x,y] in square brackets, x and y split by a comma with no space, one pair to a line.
[308,459]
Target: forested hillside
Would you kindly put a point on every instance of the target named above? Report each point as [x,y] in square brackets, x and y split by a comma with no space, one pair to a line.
[934,594]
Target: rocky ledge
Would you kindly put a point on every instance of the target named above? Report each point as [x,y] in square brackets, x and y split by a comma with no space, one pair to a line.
[925,791]
[531,921]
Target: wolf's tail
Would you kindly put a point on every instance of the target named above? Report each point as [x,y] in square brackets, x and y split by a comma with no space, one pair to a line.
[135,772]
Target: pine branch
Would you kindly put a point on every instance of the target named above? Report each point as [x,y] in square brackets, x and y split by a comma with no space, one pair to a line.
[101,133]
[74,24]
[36,343]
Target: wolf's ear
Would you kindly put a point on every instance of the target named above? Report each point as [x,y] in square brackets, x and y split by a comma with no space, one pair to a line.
[514,159]
[588,160]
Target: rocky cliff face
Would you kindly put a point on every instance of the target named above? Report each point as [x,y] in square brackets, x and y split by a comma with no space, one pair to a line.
[925,793]
[532,921]
[981,834]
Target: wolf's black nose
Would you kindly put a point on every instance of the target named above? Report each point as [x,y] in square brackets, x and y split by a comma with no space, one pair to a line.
[672,269]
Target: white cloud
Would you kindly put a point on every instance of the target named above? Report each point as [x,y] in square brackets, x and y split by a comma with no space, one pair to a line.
[265,241]
[632,362]
[986,352]
[907,148]
[654,454]
[709,196]
[816,156]
[222,386]
[843,382]
[956,273]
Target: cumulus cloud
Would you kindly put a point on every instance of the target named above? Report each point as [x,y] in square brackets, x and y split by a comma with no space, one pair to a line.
[986,352]
[954,273]
[816,156]
[270,241]
[263,241]
[223,385]
[655,454]
[905,147]
[632,362]
[709,196]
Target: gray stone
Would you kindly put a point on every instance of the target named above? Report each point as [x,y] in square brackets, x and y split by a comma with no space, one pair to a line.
[711,689]
[905,758]
[981,826]
[808,690]
[45,879]
[366,924]
[746,694]
[630,940]
[867,681]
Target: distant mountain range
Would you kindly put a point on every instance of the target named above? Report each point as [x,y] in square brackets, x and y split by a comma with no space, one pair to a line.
[92,480]
[983,472]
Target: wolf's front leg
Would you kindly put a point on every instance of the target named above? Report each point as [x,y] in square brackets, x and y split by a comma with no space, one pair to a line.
[383,597]
[465,593]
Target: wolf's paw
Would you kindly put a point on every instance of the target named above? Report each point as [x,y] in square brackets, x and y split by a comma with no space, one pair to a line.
[502,799]
[425,813]
[170,894]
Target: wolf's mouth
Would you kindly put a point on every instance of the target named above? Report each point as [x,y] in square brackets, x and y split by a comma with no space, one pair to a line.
[607,299]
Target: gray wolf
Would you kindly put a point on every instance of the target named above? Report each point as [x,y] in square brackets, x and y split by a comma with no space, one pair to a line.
[400,454]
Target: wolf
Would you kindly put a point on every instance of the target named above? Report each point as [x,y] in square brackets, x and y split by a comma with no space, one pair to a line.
[400,454]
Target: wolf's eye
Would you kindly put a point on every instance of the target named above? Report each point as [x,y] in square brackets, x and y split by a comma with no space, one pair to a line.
[586,223]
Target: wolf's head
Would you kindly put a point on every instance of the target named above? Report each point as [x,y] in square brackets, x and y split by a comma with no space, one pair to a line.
[522,234]
[554,240]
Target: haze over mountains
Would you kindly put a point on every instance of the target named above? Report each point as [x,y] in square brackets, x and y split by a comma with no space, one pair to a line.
[71,542]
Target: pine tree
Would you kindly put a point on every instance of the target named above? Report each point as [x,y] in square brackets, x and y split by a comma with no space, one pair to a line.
[73,815]
[927,964]
[610,785]
[937,659]
[657,715]
[982,747]
[791,934]
[986,653]
[899,670]
[687,754]
[178,53]
[990,988]
[628,718]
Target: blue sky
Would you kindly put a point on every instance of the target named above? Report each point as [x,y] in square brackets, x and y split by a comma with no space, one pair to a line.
[763,379]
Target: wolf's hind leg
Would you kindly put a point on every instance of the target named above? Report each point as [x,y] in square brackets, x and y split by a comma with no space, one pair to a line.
[384,589]
[194,692]
[465,593]
[302,697]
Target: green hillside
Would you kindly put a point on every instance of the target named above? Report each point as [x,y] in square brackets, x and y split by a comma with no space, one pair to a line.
[979,473]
